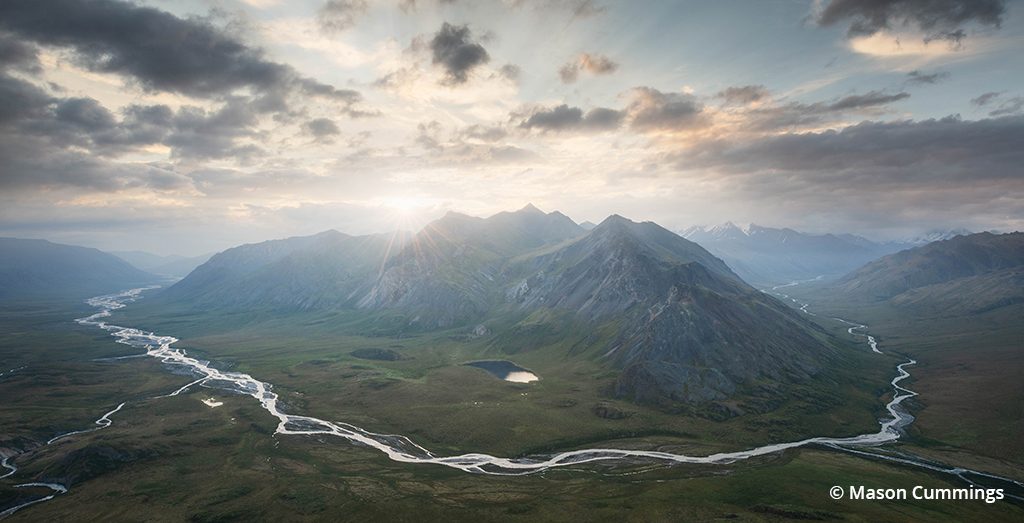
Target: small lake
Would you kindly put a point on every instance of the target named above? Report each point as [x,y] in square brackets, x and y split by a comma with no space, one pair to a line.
[505,370]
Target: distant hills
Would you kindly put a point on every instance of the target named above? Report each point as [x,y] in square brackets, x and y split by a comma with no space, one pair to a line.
[676,322]
[766,255]
[173,265]
[966,274]
[38,269]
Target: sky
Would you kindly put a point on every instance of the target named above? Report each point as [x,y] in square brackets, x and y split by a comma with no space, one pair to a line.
[189,126]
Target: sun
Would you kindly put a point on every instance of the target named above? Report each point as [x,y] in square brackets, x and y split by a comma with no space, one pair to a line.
[405,212]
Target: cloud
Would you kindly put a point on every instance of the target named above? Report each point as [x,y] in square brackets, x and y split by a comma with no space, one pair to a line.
[18,55]
[985,99]
[594,64]
[411,5]
[339,15]
[20,99]
[84,123]
[33,163]
[919,78]
[565,118]
[798,114]
[869,99]
[651,109]
[576,8]
[876,175]
[322,129]
[937,19]
[459,150]
[483,133]
[743,95]
[510,72]
[1009,107]
[454,49]
[157,50]
[1005,107]
[888,152]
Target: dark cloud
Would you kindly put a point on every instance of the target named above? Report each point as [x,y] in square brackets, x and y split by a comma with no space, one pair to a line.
[322,129]
[985,99]
[797,114]
[197,133]
[565,118]
[18,55]
[888,152]
[592,63]
[157,50]
[938,19]
[339,15]
[743,95]
[85,113]
[651,109]
[20,99]
[454,49]
[869,99]
[919,78]
[84,123]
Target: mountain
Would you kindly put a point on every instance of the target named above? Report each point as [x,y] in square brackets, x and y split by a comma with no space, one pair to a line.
[765,255]
[171,265]
[673,322]
[685,327]
[38,269]
[450,272]
[973,273]
[306,272]
[587,225]
[933,236]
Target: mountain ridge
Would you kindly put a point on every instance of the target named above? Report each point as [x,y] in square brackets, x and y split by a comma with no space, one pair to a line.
[32,268]
[674,321]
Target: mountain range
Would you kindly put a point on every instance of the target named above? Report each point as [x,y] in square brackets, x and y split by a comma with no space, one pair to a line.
[674,321]
[768,256]
[172,265]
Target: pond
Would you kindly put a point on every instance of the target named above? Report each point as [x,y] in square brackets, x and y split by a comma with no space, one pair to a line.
[505,370]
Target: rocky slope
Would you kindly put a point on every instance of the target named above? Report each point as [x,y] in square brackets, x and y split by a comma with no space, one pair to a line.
[688,329]
[452,271]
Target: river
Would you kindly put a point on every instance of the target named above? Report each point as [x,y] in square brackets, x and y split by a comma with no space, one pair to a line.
[401,449]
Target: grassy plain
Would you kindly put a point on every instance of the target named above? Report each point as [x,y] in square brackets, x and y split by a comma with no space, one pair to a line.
[970,411]
[176,459]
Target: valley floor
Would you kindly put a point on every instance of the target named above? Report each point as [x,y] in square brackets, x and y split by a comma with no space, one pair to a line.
[179,458]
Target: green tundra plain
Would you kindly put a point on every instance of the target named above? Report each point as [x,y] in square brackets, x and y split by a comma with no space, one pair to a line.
[178,459]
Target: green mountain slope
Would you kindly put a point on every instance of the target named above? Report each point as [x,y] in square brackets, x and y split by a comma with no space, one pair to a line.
[972,273]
